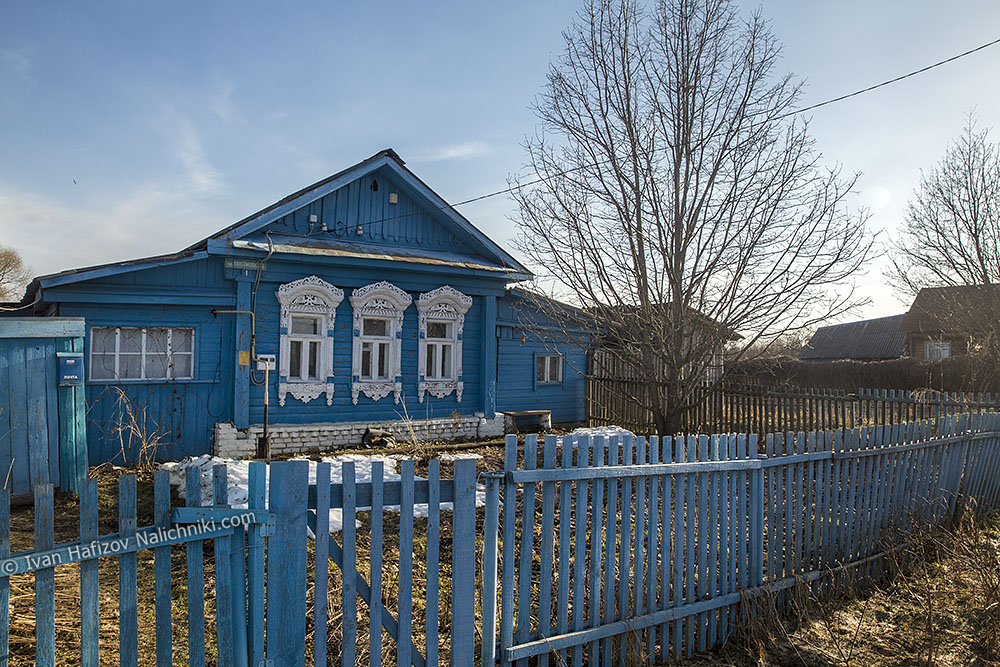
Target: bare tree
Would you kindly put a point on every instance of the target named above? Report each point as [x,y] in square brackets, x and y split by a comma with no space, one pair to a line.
[14,274]
[952,228]
[676,200]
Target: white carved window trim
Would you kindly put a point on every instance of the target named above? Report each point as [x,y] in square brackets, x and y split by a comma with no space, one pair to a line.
[381,300]
[314,297]
[442,304]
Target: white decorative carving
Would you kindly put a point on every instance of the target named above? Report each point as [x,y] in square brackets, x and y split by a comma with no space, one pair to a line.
[308,296]
[381,299]
[305,391]
[376,390]
[443,303]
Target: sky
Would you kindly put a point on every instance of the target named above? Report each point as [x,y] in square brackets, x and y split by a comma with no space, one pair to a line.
[130,129]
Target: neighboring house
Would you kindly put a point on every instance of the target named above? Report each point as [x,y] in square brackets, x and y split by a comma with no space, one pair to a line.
[868,340]
[380,303]
[945,321]
[608,362]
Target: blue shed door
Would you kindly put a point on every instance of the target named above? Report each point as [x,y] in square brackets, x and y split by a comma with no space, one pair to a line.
[42,429]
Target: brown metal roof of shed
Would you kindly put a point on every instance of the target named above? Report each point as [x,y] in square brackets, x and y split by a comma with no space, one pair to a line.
[866,340]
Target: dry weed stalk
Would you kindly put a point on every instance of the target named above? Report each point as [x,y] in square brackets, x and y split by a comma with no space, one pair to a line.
[130,427]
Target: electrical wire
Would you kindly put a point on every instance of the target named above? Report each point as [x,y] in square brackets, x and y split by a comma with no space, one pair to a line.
[811,107]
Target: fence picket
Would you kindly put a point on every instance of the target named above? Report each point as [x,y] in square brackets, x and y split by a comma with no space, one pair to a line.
[349,568]
[579,545]
[548,527]
[195,577]
[45,601]
[223,575]
[404,637]
[526,550]
[375,598]
[463,552]
[128,624]
[431,624]
[321,571]
[161,565]
[90,617]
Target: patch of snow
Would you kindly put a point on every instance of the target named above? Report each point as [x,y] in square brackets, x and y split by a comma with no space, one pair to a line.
[239,480]
[458,456]
[600,432]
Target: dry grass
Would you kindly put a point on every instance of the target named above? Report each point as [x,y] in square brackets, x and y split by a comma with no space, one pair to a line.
[939,605]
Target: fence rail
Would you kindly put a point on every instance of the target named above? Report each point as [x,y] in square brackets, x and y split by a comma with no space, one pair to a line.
[636,547]
[733,408]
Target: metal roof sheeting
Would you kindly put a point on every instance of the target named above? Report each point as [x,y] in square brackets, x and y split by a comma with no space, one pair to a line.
[866,340]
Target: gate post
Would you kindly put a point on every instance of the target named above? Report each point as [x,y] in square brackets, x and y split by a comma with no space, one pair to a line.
[286,564]
[490,554]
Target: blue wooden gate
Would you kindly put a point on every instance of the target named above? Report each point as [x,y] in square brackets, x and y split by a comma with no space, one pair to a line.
[43,437]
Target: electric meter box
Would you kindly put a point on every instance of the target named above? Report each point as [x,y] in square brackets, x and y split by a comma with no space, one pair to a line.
[70,369]
[265,362]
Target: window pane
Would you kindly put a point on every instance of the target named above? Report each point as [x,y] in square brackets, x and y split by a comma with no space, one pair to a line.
[156,341]
[131,339]
[313,359]
[182,340]
[308,326]
[439,329]
[130,366]
[373,327]
[430,364]
[366,361]
[102,366]
[102,339]
[555,369]
[295,359]
[383,360]
[446,362]
[156,365]
[540,369]
[182,366]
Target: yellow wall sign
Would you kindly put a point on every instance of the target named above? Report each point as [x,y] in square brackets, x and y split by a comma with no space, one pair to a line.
[244,358]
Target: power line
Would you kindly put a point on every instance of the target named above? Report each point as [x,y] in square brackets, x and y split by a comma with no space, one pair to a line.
[892,81]
[862,91]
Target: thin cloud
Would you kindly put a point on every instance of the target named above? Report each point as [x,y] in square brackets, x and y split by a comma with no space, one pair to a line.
[463,151]
[203,176]
[17,61]
[221,103]
[52,235]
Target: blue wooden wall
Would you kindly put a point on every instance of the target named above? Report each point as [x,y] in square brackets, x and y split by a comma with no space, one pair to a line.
[516,386]
[179,413]
[413,282]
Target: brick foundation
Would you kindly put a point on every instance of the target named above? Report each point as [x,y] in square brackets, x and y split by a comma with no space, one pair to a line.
[300,438]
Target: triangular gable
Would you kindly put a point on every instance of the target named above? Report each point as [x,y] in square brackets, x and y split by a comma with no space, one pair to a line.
[354,212]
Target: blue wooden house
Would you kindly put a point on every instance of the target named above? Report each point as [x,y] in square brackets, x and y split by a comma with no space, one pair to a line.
[379,303]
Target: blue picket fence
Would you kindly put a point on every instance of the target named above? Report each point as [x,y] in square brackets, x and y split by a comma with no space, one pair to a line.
[647,548]
[590,551]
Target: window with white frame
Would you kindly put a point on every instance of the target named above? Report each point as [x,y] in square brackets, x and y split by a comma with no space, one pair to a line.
[548,369]
[442,318]
[376,344]
[141,353]
[305,359]
[937,349]
[439,358]
[378,330]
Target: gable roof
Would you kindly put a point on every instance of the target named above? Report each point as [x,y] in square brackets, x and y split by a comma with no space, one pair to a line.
[389,160]
[956,309]
[867,340]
